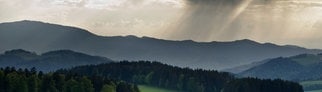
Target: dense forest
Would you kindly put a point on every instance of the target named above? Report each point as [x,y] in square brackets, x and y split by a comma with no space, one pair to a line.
[259,85]
[183,79]
[24,80]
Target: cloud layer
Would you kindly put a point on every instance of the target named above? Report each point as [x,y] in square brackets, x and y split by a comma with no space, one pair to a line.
[103,17]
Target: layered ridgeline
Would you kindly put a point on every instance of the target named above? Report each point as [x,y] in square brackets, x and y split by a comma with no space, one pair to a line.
[242,68]
[295,68]
[48,61]
[143,73]
[12,80]
[43,37]
[181,79]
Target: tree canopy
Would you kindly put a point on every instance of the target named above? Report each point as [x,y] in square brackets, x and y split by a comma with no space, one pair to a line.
[12,80]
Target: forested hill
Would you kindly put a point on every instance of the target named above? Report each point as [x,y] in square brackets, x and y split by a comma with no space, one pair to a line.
[49,61]
[295,68]
[183,79]
[12,80]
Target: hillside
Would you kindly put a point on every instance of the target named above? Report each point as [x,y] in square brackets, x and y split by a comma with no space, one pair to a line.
[48,61]
[42,37]
[239,69]
[296,68]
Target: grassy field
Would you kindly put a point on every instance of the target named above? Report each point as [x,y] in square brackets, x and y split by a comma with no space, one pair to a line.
[312,83]
[144,88]
[307,83]
[314,91]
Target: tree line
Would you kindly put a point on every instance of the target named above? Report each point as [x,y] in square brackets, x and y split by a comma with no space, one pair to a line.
[181,79]
[29,80]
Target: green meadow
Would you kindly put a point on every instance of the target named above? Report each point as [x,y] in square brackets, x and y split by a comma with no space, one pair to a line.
[144,88]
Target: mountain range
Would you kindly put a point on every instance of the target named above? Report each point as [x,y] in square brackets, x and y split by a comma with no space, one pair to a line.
[49,61]
[43,37]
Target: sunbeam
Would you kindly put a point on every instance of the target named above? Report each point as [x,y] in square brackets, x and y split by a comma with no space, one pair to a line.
[240,9]
[277,21]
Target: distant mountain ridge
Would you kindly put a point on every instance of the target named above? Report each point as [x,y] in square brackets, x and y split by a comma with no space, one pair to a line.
[48,61]
[242,68]
[42,37]
[297,68]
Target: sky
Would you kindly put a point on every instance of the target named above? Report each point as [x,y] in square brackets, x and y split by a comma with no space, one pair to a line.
[294,22]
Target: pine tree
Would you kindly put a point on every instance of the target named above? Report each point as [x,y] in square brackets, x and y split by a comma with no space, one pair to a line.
[86,84]
[2,82]
[59,81]
[48,84]
[33,83]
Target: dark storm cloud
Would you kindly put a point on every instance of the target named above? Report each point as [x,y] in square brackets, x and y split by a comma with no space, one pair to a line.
[213,2]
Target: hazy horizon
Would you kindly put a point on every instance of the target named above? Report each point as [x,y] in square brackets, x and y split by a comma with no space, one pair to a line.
[291,22]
